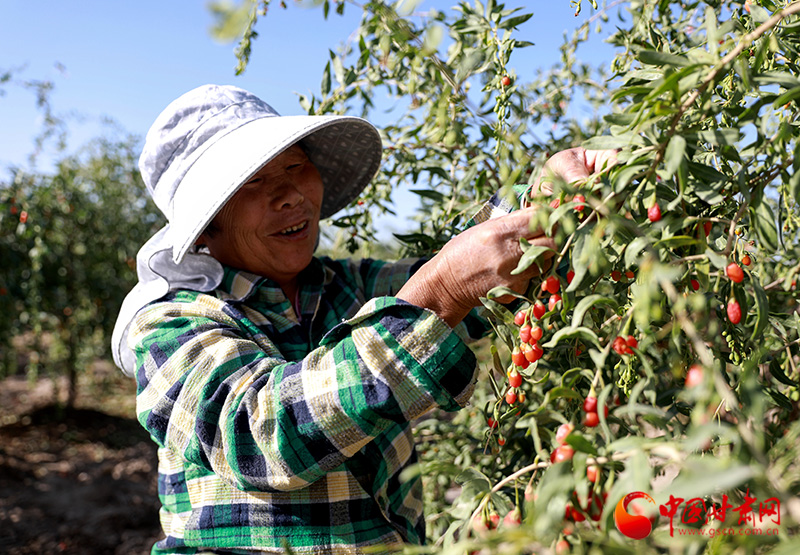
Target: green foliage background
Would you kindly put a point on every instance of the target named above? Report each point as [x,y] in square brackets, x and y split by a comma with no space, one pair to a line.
[68,241]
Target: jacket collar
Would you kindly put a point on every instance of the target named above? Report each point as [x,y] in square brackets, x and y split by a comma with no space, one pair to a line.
[239,286]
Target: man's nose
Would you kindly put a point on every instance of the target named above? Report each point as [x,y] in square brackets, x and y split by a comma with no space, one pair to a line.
[288,195]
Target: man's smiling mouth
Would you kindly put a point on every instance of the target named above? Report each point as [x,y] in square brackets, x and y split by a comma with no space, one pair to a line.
[294,228]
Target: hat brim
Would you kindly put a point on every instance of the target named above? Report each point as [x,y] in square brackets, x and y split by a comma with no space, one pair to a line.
[346,151]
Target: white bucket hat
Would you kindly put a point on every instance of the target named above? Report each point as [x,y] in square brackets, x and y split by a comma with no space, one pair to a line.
[200,150]
[213,139]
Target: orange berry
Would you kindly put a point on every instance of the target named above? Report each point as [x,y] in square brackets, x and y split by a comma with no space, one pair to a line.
[735,272]
[694,376]
[734,311]
[654,213]
[563,431]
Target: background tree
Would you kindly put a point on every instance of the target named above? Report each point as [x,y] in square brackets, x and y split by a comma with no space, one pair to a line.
[68,246]
[660,353]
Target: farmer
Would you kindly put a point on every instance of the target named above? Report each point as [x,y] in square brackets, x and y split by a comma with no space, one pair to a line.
[278,386]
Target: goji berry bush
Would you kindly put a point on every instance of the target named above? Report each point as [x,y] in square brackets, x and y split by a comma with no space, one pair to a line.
[68,239]
[659,351]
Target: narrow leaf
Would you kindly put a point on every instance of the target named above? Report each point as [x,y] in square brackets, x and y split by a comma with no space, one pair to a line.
[674,155]
[588,302]
[585,334]
[655,58]
[529,257]
[762,309]
[786,97]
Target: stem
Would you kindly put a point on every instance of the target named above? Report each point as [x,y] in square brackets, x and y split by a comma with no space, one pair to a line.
[536,466]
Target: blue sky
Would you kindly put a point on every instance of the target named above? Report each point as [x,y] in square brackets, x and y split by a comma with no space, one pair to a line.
[128,60]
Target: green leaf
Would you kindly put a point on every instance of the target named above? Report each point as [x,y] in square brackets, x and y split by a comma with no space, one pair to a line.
[762,309]
[779,398]
[674,155]
[325,86]
[710,193]
[501,291]
[763,221]
[622,119]
[633,250]
[608,142]
[588,302]
[512,22]
[631,91]
[794,185]
[717,137]
[655,58]
[709,475]
[529,257]
[499,311]
[565,392]
[579,262]
[782,78]
[585,334]
[580,443]
[776,371]
[718,261]
[624,176]
[677,241]
[759,14]
[430,193]
[706,173]
[338,68]
[786,97]
[598,357]
[433,38]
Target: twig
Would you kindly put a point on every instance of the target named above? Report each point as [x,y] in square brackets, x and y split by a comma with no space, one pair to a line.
[744,42]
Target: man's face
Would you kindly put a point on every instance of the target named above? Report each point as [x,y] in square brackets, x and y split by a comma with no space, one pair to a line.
[270,226]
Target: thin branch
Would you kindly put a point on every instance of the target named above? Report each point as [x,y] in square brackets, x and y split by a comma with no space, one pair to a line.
[744,42]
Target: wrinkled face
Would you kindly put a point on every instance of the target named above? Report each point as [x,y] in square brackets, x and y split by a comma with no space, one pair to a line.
[270,226]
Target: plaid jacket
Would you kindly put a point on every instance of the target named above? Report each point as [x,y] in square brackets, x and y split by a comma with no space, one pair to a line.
[277,430]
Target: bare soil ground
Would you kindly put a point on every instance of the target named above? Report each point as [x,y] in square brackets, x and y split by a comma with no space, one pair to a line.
[78,481]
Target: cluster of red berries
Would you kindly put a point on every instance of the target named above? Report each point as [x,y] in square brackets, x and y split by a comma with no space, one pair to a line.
[623,346]
[579,199]
[591,418]
[593,507]
[564,451]
[490,520]
[530,333]
[616,275]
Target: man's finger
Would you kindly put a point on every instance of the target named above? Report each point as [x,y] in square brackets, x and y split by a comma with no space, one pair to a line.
[519,222]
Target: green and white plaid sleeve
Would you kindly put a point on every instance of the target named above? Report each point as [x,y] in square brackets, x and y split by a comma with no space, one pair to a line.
[215,391]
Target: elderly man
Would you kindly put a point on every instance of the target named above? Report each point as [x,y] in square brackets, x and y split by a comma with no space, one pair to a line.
[278,386]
